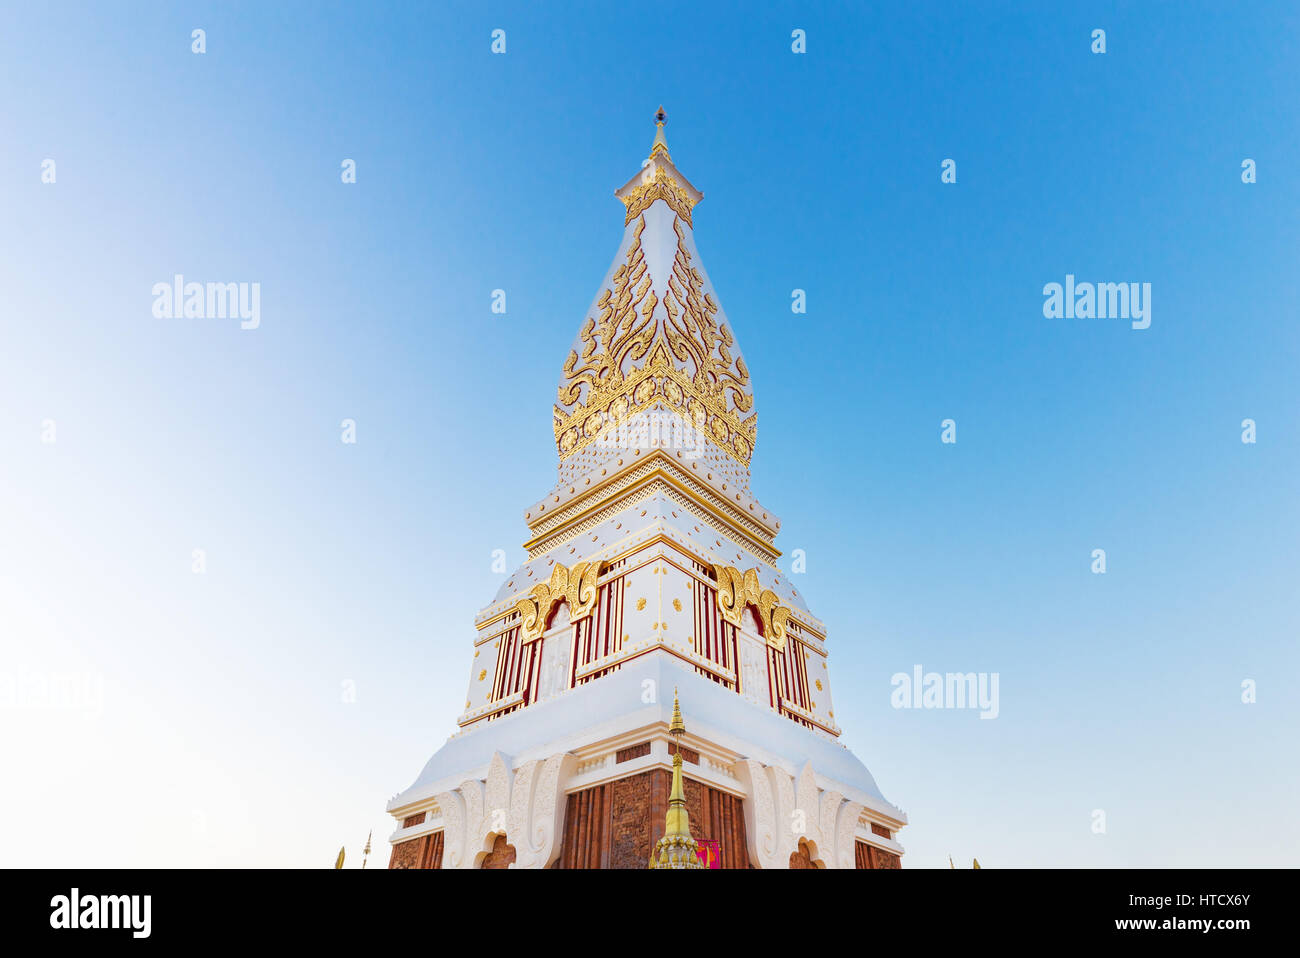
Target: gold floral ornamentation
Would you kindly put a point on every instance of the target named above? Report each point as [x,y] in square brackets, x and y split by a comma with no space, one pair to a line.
[661,186]
[625,329]
[737,589]
[576,586]
[693,332]
[684,354]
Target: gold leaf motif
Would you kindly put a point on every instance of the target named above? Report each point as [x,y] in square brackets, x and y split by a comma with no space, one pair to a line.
[690,361]
[737,589]
[482,675]
[576,586]
[640,604]
[677,604]
[662,186]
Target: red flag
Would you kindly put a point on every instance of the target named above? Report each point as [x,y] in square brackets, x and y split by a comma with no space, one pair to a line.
[710,853]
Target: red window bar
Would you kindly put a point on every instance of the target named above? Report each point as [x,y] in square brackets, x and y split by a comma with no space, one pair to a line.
[714,637]
[516,669]
[600,634]
[787,679]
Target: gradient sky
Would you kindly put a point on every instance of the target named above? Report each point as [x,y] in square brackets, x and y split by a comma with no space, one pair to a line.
[222,737]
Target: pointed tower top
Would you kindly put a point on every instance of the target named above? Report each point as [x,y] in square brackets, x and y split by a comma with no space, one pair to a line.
[677,726]
[655,341]
[660,144]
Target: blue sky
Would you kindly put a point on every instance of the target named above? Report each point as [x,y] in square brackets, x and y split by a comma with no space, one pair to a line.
[222,737]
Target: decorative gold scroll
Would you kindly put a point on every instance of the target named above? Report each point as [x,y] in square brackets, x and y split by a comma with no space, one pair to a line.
[737,589]
[577,586]
[662,186]
[683,351]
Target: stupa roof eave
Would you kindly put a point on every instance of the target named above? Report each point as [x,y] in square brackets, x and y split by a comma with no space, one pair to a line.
[724,718]
[653,163]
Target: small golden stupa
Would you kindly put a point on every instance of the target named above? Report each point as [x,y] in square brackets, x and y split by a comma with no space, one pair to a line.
[676,849]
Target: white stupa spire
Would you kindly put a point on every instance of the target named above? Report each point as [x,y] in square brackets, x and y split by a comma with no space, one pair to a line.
[656,341]
[649,565]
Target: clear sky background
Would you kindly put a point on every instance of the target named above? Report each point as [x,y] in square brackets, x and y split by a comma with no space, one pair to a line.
[222,736]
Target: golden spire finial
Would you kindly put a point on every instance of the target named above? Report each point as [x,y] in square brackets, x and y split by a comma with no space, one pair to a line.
[676,849]
[660,144]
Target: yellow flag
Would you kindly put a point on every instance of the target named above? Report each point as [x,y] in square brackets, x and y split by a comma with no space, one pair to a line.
[338,863]
[976,861]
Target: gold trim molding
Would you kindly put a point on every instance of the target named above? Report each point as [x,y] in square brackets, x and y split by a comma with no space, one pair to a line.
[657,481]
[737,589]
[577,586]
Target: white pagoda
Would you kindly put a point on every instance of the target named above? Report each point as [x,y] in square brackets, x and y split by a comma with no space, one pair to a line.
[651,567]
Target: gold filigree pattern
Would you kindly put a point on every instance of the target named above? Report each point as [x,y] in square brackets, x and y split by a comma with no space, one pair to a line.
[690,368]
[694,334]
[624,330]
[737,589]
[661,186]
[576,586]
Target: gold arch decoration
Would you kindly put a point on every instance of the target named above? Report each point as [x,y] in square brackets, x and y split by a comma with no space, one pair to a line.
[737,589]
[576,586]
